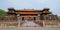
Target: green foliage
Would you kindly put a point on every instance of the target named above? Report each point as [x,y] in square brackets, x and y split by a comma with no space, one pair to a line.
[2,12]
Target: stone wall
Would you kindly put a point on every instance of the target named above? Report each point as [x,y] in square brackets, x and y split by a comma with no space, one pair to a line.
[8,17]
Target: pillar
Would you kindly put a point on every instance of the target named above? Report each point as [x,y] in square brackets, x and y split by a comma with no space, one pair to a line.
[5,25]
[38,17]
[43,24]
[44,17]
[18,18]
[41,17]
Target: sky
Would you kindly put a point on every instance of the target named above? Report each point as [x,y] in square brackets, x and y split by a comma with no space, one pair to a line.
[54,5]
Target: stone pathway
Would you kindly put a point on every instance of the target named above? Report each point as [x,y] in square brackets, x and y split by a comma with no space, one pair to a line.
[29,24]
[31,28]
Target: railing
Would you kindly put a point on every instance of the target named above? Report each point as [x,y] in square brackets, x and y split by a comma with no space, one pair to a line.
[42,23]
[51,23]
[8,18]
[8,24]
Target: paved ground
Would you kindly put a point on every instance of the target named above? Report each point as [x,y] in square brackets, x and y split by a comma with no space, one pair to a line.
[30,28]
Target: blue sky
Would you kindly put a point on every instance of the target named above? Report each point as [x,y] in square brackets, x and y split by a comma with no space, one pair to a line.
[54,5]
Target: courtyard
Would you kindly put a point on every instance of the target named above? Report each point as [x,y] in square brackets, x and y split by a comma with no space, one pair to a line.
[31,28]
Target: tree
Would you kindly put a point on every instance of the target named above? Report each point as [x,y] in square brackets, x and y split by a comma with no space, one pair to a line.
[2,12]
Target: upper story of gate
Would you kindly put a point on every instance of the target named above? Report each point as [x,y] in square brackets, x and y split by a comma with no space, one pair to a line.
[29,11]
